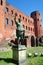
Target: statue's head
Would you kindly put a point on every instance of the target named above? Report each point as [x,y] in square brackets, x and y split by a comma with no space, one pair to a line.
[19,19]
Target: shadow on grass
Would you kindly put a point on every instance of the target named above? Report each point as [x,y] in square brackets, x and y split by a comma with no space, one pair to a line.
[9,60]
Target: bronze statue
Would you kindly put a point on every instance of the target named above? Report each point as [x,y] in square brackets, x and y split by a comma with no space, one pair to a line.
[20,32]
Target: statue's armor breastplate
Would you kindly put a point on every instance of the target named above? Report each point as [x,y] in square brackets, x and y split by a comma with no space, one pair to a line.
[20,27]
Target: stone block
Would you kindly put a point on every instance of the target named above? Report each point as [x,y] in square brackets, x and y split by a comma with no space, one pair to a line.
[19,54]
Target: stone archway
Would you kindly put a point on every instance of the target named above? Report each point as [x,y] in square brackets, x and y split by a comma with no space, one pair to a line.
[41,39]
[33,41]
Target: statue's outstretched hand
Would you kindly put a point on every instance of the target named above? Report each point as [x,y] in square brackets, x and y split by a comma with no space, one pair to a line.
[15,18]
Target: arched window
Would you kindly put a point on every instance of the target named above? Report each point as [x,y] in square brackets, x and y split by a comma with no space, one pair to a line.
[11,23]
[26,19]
[20,16]
[26,27]
[37,19]
[6,9]
[6,21]
[23,18]
[16,14]
[1,2]
[11,11]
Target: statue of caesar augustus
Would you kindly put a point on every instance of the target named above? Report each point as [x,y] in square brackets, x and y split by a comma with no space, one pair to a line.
[20,32]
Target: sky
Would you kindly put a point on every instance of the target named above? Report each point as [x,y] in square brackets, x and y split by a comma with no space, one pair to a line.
[27,6]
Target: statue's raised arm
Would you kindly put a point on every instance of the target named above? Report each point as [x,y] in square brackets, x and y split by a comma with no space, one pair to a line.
[20,32]
[15,18]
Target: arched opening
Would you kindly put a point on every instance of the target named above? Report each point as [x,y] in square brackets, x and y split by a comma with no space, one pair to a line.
[11,23]
[6,21]
[32,41]
[1,2]
[6,9]
[41,41]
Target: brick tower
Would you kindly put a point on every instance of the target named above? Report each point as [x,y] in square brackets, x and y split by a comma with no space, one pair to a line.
[37,23]
[2,19]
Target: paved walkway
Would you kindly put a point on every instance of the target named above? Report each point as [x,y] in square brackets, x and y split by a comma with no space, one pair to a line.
[5,49]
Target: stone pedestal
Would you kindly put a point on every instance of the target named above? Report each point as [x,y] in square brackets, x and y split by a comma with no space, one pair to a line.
[19,54]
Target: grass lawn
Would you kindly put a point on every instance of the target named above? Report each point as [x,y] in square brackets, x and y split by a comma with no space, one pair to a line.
[6,57]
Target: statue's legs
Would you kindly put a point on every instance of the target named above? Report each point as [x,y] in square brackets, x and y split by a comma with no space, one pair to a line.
[20,35]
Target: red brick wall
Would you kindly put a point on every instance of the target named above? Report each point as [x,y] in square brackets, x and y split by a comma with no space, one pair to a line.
[2,18]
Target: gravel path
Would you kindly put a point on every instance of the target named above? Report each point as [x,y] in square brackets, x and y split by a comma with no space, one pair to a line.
[5,49]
